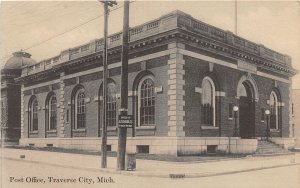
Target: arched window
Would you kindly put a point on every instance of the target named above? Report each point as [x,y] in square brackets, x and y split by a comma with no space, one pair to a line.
[80,109]
[208,102]
[111,104]
[33,114]
[51,113]
[146,102]
[274,111]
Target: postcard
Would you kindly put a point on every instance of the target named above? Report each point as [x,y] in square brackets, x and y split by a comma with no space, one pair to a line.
[150,94]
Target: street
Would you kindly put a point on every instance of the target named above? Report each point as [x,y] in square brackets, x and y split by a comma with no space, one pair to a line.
[23,174]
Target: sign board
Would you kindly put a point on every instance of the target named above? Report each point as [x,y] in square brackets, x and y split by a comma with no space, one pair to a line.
[125,121]
[243,65]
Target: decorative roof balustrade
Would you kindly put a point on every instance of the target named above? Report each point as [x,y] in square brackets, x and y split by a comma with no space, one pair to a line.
[171,21]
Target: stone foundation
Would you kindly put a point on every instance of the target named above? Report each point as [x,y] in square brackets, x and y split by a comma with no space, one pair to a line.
[286,143]
[156,145]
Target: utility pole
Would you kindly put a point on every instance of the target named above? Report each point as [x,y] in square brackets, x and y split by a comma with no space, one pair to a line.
[104,86]
[122,133]
[235,17]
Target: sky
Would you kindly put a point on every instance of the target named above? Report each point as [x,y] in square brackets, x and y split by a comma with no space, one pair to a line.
[45,28]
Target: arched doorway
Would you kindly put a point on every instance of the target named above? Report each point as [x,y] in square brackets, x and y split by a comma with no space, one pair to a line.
[246,110]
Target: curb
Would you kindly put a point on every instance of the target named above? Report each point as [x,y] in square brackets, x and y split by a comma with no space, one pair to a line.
[151,174]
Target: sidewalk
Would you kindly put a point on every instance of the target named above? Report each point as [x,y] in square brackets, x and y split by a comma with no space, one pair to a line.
[153,168]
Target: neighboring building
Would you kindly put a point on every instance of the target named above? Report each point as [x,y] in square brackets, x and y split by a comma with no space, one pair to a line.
[11,96]
[185,76]
[296,116]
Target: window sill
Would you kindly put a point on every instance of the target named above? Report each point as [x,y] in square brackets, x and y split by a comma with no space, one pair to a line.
[230,119]
[112,128]
[145,127]
[79,130]
[262,121]
[52,131]
[33,132]
[209,127]
[275,130]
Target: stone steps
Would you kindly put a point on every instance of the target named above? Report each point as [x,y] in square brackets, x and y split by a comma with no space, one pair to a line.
[265,148]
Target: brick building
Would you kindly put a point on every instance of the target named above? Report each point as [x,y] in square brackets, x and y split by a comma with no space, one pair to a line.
[11,95]
[185,76]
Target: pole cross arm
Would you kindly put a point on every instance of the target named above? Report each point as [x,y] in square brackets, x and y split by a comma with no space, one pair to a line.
[109,3]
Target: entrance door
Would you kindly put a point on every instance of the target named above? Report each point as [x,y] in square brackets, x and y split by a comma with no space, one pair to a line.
[246,117]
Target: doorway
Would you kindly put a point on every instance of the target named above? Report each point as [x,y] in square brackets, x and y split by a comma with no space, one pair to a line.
[247,111]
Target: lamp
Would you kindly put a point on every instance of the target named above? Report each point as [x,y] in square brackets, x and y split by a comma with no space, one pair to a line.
[235,131]
[267,112]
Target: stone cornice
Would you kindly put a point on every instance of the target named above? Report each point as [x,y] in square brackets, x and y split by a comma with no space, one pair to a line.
[93,60]
[226,50]
[164,28]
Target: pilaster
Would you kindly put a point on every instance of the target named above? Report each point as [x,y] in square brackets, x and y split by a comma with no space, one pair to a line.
[62,106]
[22,112]
[290,110]
[176,92]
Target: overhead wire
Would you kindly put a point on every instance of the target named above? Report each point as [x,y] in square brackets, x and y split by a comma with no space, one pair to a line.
[69,30]
[64,32]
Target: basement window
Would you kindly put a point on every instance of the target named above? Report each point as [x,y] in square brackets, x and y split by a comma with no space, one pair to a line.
[142,149]
[212,149]
[49,145]
[108,148]
[31,145]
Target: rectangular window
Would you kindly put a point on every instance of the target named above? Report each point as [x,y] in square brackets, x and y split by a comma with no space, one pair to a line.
[292,108]
[230,110]
[212,149]
[147,103]
[262,116]
[53,113]
[67,114]
[35,122]
[80,121]
[142,148]
[273,117]
[111,111]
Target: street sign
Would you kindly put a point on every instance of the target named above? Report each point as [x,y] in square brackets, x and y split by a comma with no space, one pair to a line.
[125,121]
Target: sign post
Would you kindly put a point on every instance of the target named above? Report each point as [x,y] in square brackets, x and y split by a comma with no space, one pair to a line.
[104,91]
[122,131]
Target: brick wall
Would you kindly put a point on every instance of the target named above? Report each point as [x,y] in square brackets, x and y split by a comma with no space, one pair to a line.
[41,98]
[193,71]
[227,79]
[91,82]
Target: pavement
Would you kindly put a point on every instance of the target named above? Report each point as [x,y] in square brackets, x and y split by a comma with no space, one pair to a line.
[153,168]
